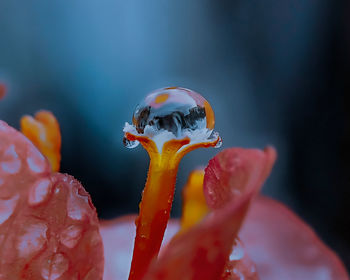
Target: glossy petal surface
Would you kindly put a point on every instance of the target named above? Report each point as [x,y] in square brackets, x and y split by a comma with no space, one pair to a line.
[202,252]
[118,239]
[234,172]
[285,247]
[290,251]
[48,225]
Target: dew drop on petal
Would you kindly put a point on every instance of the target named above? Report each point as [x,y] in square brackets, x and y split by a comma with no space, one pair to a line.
[54,267]
[130,144]
[71,235]
[36,161]
[12,162]
[237,252]
[32,240]
[7,206]
[174,109]
[39,192]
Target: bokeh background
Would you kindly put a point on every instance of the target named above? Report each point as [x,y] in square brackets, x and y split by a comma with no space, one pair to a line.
[276,72]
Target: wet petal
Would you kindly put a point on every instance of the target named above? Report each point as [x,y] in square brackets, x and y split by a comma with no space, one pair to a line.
[38,238]
[239,266]
[285,247]
[118,238]
[234,177]
[234,172]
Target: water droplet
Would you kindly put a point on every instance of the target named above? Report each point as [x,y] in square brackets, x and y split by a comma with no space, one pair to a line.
[71,235]
[11,163]
[36,161]
[7,207]
[130,144]
[219,143]
[39,192]
[175,110]
[54,267]
[32,240]
[237,252]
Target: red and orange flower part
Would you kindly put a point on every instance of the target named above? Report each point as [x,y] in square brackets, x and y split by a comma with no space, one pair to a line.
[49,227]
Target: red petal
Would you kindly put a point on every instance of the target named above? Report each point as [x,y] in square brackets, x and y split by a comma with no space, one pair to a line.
[239,266]
[118,239]
[234,172]
[284,247]
[232,179]
[48,225]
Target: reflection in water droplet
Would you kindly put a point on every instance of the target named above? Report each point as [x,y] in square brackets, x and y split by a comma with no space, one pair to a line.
[175,110]
[130,144]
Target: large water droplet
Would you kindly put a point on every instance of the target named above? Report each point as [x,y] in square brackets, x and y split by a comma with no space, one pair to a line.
[174,109]
[130,144]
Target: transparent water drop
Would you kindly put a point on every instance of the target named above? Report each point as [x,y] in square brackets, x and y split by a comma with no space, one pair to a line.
[237,252]
[130,144]
[218,144]
[174,109]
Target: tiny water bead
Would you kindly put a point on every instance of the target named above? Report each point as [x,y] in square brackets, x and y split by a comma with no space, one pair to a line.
[219,143]
[130,144]
[174,109]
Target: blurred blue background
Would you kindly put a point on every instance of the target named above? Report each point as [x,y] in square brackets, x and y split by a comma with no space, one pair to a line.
[275,72]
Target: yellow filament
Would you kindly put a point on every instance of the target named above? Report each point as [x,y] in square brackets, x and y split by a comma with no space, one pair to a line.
[194,204]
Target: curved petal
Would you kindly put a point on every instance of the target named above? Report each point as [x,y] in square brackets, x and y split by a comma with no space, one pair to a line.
[118,238]
[285,247]
[232,179]
[48,225]
[240,266]
[234,172]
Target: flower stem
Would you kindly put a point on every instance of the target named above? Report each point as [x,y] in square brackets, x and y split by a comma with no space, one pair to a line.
[155,206]
[157,198]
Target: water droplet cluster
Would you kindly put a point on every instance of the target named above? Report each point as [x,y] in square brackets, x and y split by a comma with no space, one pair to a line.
[48,225]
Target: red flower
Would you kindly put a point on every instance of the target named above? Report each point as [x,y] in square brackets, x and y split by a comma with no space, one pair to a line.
[48,224]
[49,227]
[280,244]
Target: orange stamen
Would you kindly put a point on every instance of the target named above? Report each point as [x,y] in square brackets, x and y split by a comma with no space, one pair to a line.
[44,131]
[194,204]
[157,198]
